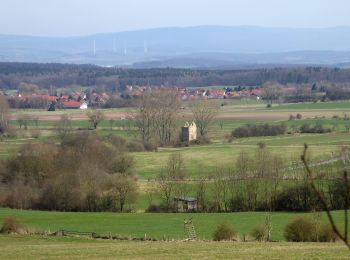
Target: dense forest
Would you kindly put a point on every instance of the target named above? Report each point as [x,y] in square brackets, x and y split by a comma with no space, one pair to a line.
[66,75]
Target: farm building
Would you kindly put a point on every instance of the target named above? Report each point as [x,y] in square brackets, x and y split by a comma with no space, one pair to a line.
[189,132]
[185,204]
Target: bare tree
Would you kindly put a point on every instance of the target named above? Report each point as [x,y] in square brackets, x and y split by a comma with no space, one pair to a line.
[125,190]
[343,236]
[156,116]
[64,126]
[95,117]
[202,195]
[175,167]
[23,120]
[166,187]
[220,190]
[272,92]
[170,177]
[204,112]
[4,115]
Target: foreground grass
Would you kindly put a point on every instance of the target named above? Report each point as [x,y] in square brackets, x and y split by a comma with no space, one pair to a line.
[20,247]
[155,225]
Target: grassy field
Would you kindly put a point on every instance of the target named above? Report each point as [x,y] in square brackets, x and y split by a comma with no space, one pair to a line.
[337,105]
[199,161]
[19,247]
[202,160]
[155,225]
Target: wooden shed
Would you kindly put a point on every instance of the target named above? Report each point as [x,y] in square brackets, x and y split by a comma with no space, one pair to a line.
[185,204]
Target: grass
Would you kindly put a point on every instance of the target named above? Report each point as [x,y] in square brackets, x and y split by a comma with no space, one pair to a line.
[337,105]
[202,160]
[199,160]
[155,225]
[20,247]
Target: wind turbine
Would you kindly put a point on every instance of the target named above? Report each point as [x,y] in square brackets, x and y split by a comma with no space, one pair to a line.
[114,46]
[145,48]
[125,45]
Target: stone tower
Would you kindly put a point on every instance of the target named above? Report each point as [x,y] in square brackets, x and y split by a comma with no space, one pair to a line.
[189,132]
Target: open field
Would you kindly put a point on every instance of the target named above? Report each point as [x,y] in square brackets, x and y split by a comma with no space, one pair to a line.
[202,160]
[155,225]
[20,247]
[230,109]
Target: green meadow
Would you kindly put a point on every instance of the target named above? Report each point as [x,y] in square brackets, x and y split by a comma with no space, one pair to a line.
[155,225]
[200,160]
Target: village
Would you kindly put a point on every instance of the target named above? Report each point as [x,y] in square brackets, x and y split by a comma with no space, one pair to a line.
[102,99]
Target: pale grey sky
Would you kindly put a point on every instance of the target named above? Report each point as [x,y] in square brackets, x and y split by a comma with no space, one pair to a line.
[81,17]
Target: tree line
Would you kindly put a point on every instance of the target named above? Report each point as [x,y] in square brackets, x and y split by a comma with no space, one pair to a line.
[65,75]
[260,181]
[83,172]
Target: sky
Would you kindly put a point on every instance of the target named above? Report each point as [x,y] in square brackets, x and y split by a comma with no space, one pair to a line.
[83,17]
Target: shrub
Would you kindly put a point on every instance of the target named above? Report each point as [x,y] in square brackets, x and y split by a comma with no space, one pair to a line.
[118,142]
[259,233]
[225,231]
[202,140]
[259,130]
[151,147]
[296,198]
[326,233]
[304,230]
[135,146]
[317,129]
[153,208]
[12,225]
[300,230]
[336,192]
[238,204]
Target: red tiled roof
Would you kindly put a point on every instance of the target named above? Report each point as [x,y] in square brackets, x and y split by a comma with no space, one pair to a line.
[71,104]
[49,98]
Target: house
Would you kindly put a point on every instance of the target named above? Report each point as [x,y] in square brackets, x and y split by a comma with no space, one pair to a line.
[185,204]
[189,132]
[74,105]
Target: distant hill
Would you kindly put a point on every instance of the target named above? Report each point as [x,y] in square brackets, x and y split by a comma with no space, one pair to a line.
[202,46]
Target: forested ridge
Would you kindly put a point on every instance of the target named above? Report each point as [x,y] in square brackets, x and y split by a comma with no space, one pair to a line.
[65,75]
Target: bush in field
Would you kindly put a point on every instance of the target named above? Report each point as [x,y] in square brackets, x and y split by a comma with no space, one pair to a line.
[135,146]
[118,142]
[151,146]
[317,129]
[238,203]
[225,231]
[300,230]
[259,233]
[296,198]
[336,191]
[259,130]
[305,230]
[12,225]
[326,233]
